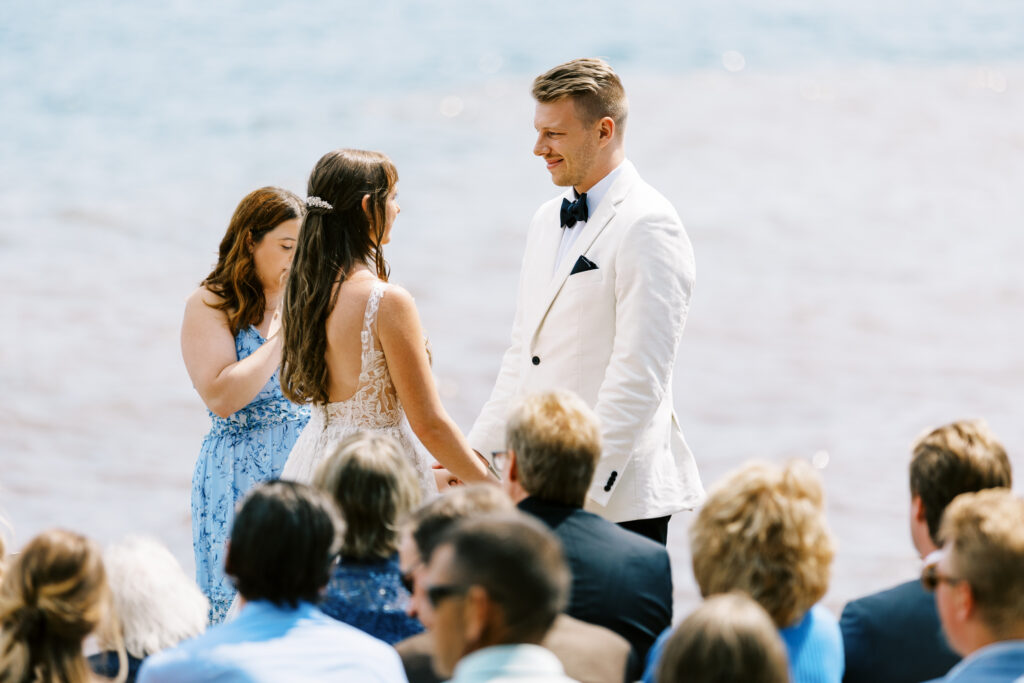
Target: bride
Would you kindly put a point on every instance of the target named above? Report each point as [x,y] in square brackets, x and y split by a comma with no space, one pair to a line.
[353,345]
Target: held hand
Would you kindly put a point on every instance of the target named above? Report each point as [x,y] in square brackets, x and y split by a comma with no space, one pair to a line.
[444,479]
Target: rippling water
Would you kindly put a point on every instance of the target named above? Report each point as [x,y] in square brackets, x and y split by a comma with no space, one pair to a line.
[850,178]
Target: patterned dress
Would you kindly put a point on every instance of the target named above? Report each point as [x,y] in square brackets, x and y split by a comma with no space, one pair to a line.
[371,597]
[374,407]
[240,451]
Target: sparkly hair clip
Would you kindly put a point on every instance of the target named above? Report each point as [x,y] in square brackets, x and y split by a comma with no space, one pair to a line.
[317,205]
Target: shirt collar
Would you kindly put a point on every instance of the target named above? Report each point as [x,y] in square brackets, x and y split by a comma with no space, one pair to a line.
[600,189]
[521,658]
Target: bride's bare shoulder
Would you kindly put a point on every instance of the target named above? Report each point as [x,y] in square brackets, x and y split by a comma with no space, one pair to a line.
[397,306]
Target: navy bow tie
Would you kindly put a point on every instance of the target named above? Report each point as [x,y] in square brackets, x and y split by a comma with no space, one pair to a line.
[572,212]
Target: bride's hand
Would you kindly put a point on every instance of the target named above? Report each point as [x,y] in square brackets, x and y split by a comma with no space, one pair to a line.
[444,479]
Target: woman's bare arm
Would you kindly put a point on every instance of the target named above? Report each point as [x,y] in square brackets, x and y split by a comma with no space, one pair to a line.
[401,337]
[225,383]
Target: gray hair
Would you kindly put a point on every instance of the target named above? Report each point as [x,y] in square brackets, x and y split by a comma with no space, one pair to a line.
[557,441]
[375,486]
[157,604]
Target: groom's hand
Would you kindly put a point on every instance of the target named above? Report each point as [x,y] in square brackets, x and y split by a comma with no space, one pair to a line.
[443,478]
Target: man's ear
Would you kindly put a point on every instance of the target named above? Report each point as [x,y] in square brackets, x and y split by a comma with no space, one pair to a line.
[917,509]
[477,606]
[965,603]
[605,130]
[513,466]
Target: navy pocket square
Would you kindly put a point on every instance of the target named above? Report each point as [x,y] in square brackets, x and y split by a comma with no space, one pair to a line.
[582,265]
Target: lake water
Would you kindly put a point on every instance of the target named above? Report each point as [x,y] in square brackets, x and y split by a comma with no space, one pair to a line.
[850,177]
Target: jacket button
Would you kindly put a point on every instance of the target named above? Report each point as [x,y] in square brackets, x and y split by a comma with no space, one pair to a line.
[536,360]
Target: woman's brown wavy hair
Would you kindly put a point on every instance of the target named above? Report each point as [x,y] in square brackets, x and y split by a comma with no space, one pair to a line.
[234,278]
[331,242]
[52,597]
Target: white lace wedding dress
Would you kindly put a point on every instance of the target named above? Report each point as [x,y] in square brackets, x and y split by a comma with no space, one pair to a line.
[374,407]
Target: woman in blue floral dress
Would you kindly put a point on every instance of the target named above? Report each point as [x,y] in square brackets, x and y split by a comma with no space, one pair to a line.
[232,349]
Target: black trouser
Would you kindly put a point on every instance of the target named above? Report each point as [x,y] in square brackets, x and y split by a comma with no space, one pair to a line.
[655,529]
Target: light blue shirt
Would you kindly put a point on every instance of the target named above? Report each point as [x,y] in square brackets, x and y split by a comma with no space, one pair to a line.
[814,646]
[507,663]
[271,643]
[1000,662]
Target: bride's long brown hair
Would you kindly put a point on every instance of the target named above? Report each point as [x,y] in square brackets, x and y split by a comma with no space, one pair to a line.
[331,242]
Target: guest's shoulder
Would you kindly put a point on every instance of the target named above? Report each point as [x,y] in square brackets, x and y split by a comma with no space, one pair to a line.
[891,600]
[634,547]
[823,620]
[179,663]
[338,630]
[637,544]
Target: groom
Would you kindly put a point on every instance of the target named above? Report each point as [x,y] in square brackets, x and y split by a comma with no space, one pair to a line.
[603,295]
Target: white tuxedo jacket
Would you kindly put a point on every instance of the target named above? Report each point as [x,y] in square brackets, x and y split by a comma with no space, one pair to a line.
[609,334]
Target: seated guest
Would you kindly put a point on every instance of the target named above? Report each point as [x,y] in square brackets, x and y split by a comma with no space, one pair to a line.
[620,580]
[279,558]
[53,595]
[762,531]
[156,605]
[978,581]
[728,638]
[374,485]
[587,652]
[894,636]
[495,585]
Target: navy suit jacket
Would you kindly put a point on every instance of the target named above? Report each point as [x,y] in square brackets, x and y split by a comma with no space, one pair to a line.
[895,637]
[620,580]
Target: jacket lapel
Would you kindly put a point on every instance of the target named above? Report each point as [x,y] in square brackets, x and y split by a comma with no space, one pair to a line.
[595,226]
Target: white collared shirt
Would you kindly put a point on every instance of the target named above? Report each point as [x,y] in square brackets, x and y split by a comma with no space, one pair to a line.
[594,197]
[507,663]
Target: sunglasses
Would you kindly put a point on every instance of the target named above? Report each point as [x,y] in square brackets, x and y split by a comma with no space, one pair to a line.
[407,579]
[931,578]
[438,594]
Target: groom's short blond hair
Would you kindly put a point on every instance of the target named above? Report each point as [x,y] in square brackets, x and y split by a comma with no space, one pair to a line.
[557,442]
[592,84]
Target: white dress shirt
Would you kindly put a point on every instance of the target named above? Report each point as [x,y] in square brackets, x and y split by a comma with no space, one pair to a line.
[594,197]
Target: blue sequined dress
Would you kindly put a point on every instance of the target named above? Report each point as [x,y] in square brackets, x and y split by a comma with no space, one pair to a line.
[371,597]
[240,451]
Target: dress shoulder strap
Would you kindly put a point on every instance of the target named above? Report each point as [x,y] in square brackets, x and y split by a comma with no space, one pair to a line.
[370,316]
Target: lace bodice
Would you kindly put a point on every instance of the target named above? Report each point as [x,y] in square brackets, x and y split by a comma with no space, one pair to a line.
[374,406]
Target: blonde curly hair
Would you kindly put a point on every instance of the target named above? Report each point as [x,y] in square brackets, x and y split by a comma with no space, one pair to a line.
[763,531]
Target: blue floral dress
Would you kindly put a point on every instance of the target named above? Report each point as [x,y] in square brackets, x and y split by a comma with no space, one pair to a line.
[240,451]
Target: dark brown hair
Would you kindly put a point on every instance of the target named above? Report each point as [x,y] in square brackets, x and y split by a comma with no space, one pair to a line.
[519,562]
[52,596]
[234,278]
[592,84]
[430,522]
[282,543]
[960,457]
[331,242]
